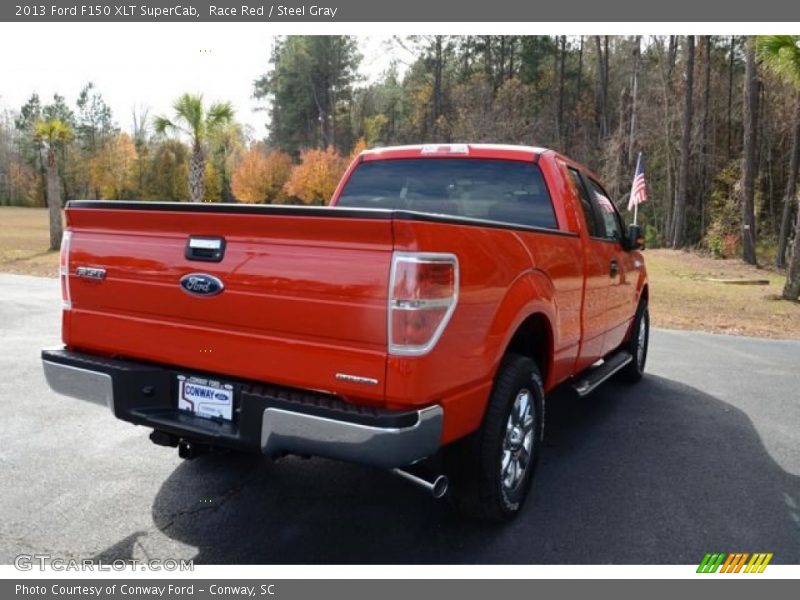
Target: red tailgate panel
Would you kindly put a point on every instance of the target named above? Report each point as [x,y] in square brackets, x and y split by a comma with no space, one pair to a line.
[304,298]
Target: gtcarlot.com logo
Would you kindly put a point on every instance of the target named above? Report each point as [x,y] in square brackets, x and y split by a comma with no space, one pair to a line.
[41,562]
[738,562]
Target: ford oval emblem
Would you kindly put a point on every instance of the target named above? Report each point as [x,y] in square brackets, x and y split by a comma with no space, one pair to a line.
[201,284]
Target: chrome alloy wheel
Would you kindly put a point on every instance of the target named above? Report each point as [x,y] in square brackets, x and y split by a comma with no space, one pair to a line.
[518,441]
[641,342]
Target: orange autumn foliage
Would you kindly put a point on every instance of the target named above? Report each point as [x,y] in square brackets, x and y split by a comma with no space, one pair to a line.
[361,145]
[112,171]
[261,177]
[314,180]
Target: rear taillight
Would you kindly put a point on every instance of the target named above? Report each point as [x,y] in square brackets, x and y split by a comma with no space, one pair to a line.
[63,270]
[423,292]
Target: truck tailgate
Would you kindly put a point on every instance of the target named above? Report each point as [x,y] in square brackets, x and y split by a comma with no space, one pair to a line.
[305,291]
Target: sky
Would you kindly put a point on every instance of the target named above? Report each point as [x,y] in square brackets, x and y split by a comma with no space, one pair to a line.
[138,65]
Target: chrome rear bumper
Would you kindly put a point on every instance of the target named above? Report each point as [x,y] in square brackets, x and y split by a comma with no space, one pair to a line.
[266,421]
[80,383]
[297,433]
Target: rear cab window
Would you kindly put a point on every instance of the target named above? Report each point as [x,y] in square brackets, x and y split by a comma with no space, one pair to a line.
[504,191]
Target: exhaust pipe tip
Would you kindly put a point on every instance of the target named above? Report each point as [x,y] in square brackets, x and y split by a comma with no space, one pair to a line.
[440,486]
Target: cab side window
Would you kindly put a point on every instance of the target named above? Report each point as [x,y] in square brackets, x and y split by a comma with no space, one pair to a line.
[593,226]
[611,228]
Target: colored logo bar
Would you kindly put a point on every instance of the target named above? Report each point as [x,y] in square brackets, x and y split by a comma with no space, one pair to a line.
[734,563]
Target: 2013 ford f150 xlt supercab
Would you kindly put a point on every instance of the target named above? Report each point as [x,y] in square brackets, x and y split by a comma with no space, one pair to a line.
[432,306]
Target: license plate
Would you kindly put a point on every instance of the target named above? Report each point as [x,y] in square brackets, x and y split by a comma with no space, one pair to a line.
[205,397]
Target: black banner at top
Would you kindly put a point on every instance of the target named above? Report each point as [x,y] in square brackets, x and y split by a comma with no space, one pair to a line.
[453,11]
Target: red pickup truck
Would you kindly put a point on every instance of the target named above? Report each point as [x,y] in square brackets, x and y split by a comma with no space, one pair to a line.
[432,306]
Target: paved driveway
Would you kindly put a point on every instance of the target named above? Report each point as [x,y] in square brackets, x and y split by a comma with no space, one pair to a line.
[702,455]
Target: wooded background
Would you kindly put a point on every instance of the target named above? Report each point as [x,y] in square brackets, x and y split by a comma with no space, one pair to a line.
[717,128]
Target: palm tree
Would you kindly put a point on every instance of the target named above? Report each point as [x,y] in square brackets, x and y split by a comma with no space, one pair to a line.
[191,119]
[781,54]
[53,133]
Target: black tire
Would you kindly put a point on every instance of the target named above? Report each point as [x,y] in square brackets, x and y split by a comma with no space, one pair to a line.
[476,464]
[634,371]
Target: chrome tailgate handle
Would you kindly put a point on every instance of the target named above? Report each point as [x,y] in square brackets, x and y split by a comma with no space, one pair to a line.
[208,249]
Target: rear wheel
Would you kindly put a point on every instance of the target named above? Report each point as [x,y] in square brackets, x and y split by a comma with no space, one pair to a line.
[493,468]
[637,344]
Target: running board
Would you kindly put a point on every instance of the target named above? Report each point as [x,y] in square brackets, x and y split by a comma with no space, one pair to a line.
[597,375]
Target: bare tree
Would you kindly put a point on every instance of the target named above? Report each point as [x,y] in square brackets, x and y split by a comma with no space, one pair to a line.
[749,166]
[731,64]
[704,135]
[602,85]
[791,187]
[679,214]
[140,131]
[637,51]
[438,91]
[560,129]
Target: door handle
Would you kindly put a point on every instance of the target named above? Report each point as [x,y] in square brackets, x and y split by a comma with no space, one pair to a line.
[614,268]
[209,249]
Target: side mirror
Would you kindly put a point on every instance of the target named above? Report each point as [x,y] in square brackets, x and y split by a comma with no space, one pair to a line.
[634,240]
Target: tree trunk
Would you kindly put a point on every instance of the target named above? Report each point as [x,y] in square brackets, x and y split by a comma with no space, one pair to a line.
[672,56]
[791,291]
[502,59]
[333,115]
[488,67]
[679,215]
[765,154]
[749,166]
[512,49]
[54,199]
[196,173]
[634,93]
[666,67]
[602,89]
[465,57]
[437,85]
[704,142]
[42,168]
[730,95]
[791,187]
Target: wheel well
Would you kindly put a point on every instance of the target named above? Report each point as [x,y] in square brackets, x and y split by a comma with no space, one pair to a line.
[534,338]
[645,294]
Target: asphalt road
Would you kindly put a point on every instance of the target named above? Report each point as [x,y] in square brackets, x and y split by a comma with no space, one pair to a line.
[702,455]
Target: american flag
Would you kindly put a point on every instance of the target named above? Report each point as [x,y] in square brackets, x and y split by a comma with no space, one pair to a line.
[639,186]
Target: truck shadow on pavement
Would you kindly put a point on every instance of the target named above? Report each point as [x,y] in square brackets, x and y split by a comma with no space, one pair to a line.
[654,473]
